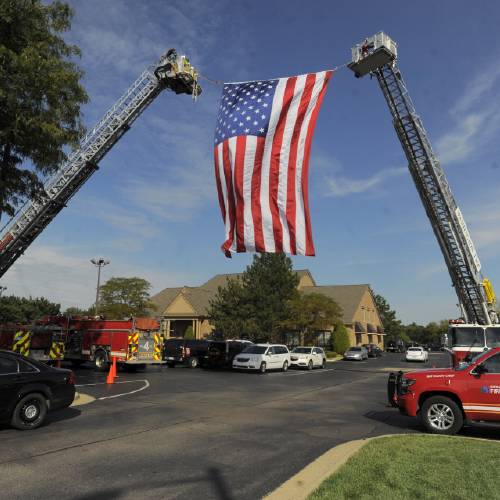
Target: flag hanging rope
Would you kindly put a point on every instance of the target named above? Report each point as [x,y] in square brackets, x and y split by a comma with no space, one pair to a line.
[221,82]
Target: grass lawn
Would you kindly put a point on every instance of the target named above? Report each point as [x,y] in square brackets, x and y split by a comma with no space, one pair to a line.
[417,466]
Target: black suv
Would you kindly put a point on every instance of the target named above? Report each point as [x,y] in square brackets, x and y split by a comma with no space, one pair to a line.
[29,389]
[192,353]
[374,350]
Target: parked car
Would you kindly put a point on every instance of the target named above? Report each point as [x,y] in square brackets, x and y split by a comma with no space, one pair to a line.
[263,357]
[29,389]
[221,353]
[395,346]
[417,354]
[188,352]
[308,357]
[358,353]
[374,350]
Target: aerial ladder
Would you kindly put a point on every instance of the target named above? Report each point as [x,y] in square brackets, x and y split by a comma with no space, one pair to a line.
[173,72]
[377,56]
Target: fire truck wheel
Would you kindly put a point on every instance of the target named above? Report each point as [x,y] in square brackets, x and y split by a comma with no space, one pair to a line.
[101,360]
[29,412]
[441,415]
[193,362]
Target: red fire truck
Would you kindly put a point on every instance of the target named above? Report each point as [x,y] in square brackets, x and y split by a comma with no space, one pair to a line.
[446,397]
[43,340]
[134,341]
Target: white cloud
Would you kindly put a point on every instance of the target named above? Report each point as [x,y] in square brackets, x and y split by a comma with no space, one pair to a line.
[64,276]
[343,186]
[476,116]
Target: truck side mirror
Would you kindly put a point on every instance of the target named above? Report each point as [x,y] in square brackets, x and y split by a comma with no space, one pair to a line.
[479,370]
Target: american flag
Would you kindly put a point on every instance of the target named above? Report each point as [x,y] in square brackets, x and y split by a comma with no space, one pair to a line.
[262,146]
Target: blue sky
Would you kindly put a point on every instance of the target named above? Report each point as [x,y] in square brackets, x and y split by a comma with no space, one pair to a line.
[152,207]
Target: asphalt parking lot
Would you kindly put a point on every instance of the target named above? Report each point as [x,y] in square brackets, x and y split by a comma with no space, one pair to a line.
[193,433]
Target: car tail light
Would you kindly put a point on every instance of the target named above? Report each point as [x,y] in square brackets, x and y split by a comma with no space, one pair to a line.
[71,378]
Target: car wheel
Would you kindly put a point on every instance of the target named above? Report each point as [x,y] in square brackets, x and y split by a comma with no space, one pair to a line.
[193,362]
[441,415]
[100,360]
[29,412]
[285,366]
[310,365]
[323,365]
[263,367]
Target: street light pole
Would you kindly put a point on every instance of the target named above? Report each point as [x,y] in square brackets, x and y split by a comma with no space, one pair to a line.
[99,262]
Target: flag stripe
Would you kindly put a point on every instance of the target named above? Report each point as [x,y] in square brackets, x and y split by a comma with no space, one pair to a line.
[238,188]
[224,189]
[249,238]
[274,171]
[220,191]
[228,174]
[256,190]
[291,206]
[305,170]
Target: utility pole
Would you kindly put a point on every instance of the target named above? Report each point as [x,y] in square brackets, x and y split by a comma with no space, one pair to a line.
[99,262]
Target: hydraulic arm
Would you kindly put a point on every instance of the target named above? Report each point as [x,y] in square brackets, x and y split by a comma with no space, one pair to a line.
[171,71]
[377,56]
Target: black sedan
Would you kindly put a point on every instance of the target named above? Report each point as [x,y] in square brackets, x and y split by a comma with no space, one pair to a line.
[29,389]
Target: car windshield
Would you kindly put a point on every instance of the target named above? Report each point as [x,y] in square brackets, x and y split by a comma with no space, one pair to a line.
[354,349]
[493,337]
[302,350]
[465,364]
[467,337]
[255,349]
[415,349]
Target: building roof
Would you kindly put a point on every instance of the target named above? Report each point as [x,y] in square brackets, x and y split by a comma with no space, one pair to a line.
[199,297]
[347,297]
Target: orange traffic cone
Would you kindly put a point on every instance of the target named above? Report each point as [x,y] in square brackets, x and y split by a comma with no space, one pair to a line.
[111,376]
[114,367]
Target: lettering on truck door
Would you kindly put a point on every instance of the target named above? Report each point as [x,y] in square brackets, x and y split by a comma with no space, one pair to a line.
[482,396]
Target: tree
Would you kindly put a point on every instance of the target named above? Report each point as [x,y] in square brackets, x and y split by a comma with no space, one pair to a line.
[189,333]
[40,96]
[340,339]
[310,313]
[77,311]
[256,304]
[392,326]
[125,297]
[25,310]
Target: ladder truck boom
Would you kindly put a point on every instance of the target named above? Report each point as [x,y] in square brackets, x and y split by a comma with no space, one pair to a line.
[377,56]
[171,71]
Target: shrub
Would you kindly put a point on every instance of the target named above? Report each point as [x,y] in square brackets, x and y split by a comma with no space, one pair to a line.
[340,339]
[189,333]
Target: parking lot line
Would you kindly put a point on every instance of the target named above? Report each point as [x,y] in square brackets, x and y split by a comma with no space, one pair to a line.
[145,386]
[305,372]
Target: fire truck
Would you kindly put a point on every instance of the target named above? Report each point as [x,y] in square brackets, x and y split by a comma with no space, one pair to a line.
[43,340]
[133,342]
[478,330]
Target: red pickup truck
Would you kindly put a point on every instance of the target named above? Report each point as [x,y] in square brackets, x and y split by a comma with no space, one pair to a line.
[445,398]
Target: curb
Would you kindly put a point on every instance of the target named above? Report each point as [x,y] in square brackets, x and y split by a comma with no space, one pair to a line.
[302,484]
[82,399]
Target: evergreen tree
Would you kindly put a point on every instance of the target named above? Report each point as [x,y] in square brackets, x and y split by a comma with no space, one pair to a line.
[26,310]
[40,96]
[256,304]
[392,326]
[340,339]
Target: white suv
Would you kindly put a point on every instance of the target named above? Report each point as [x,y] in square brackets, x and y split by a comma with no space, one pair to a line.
[263,357]
[308,357]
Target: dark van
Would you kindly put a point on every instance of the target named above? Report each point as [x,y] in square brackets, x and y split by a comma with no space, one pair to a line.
[222,352]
